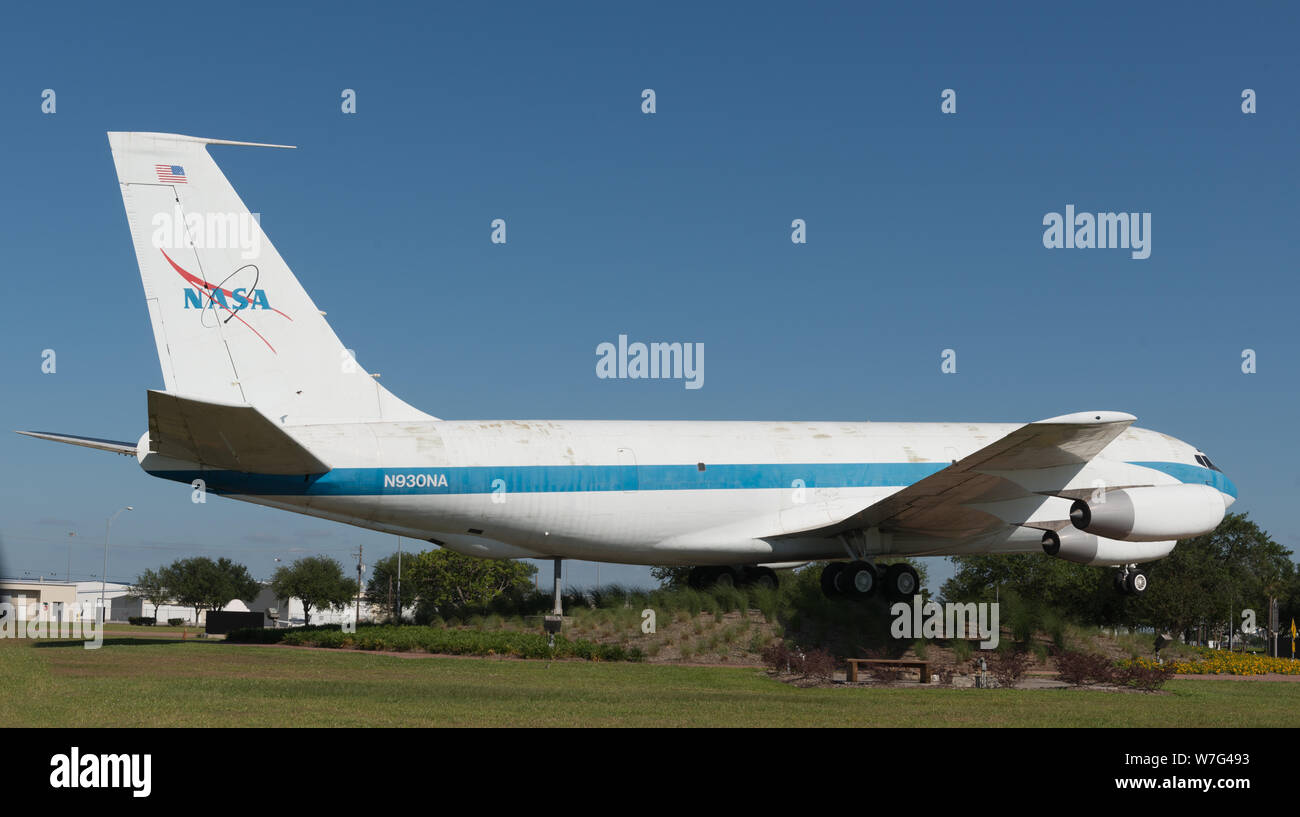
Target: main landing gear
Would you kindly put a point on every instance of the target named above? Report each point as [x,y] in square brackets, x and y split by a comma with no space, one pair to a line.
[703,578]
[860,580]
[1130,581]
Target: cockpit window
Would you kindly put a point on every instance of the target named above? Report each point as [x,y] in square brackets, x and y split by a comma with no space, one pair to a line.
[1204,460]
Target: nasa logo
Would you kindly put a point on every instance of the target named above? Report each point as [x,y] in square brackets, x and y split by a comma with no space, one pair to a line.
[202,295]
[239,299]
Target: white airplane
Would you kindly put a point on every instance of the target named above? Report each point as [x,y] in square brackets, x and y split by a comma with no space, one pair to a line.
[264,404]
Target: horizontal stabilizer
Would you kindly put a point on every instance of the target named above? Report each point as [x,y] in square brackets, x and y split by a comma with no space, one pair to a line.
[116,446]
[226,436]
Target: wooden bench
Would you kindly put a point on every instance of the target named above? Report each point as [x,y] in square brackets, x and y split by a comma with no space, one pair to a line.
[923,666]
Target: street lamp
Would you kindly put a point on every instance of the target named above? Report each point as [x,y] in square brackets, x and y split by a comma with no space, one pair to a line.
[68,576]
[103,580]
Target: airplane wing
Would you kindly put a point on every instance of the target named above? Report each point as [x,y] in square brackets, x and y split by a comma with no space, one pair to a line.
[1044,454]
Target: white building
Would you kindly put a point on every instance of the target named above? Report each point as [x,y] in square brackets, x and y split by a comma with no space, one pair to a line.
[51,602]
[121,606]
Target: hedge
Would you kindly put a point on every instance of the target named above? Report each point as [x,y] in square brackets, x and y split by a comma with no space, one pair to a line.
[447,642]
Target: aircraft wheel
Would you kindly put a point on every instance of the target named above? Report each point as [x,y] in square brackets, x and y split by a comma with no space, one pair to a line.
[902,581]
[722,577]
[830,579]
[764,577]
[1136,583]
[859,580]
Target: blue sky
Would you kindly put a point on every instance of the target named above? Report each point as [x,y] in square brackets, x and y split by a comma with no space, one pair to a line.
[924,229]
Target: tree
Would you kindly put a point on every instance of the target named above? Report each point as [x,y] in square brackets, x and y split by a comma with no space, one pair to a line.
[1212,577]
[207,585]
[317,581]
[671,577]
[242,584]
[1081,592]
[381,591]
[151,586]
[444,578]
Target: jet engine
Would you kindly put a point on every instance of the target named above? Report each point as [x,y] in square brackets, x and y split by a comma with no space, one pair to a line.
[1150,514]
[1089,549]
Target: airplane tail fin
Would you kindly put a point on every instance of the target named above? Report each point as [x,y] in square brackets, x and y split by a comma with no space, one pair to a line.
[231,322]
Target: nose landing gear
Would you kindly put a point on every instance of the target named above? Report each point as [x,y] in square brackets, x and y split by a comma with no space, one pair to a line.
[1131,581]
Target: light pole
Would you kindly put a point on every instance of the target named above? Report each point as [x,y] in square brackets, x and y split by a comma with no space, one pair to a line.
[103,579]
[68,576]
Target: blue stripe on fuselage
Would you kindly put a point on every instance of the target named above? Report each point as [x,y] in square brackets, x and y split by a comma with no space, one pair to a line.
[582,478]
[559,478]
[1193,474]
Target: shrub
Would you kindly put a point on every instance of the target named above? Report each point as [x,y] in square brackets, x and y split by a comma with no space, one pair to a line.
[818,664]
[731,598]
[709,604]
[1222,662]
[1144,676]
[450,642]
[886,675]
[176,622]
[256,635]
[143,621]
[961,650]
[1008,666]
[777,656]
[1055,627]
[1084,669]
[1022,616]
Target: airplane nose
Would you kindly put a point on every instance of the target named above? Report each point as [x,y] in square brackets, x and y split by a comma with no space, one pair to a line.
[1228,499]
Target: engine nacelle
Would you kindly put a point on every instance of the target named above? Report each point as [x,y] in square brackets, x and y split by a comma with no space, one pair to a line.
[1151,514]
[1088,549]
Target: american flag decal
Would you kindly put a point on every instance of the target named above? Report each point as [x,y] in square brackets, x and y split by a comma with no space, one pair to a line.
[174,174]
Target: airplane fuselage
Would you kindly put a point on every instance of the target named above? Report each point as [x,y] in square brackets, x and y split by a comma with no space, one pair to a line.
[660,492]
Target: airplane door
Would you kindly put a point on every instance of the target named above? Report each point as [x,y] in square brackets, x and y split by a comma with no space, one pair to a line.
[626,476]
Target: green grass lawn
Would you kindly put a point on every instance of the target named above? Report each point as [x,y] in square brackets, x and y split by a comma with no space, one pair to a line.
[146,629]
[147,682]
